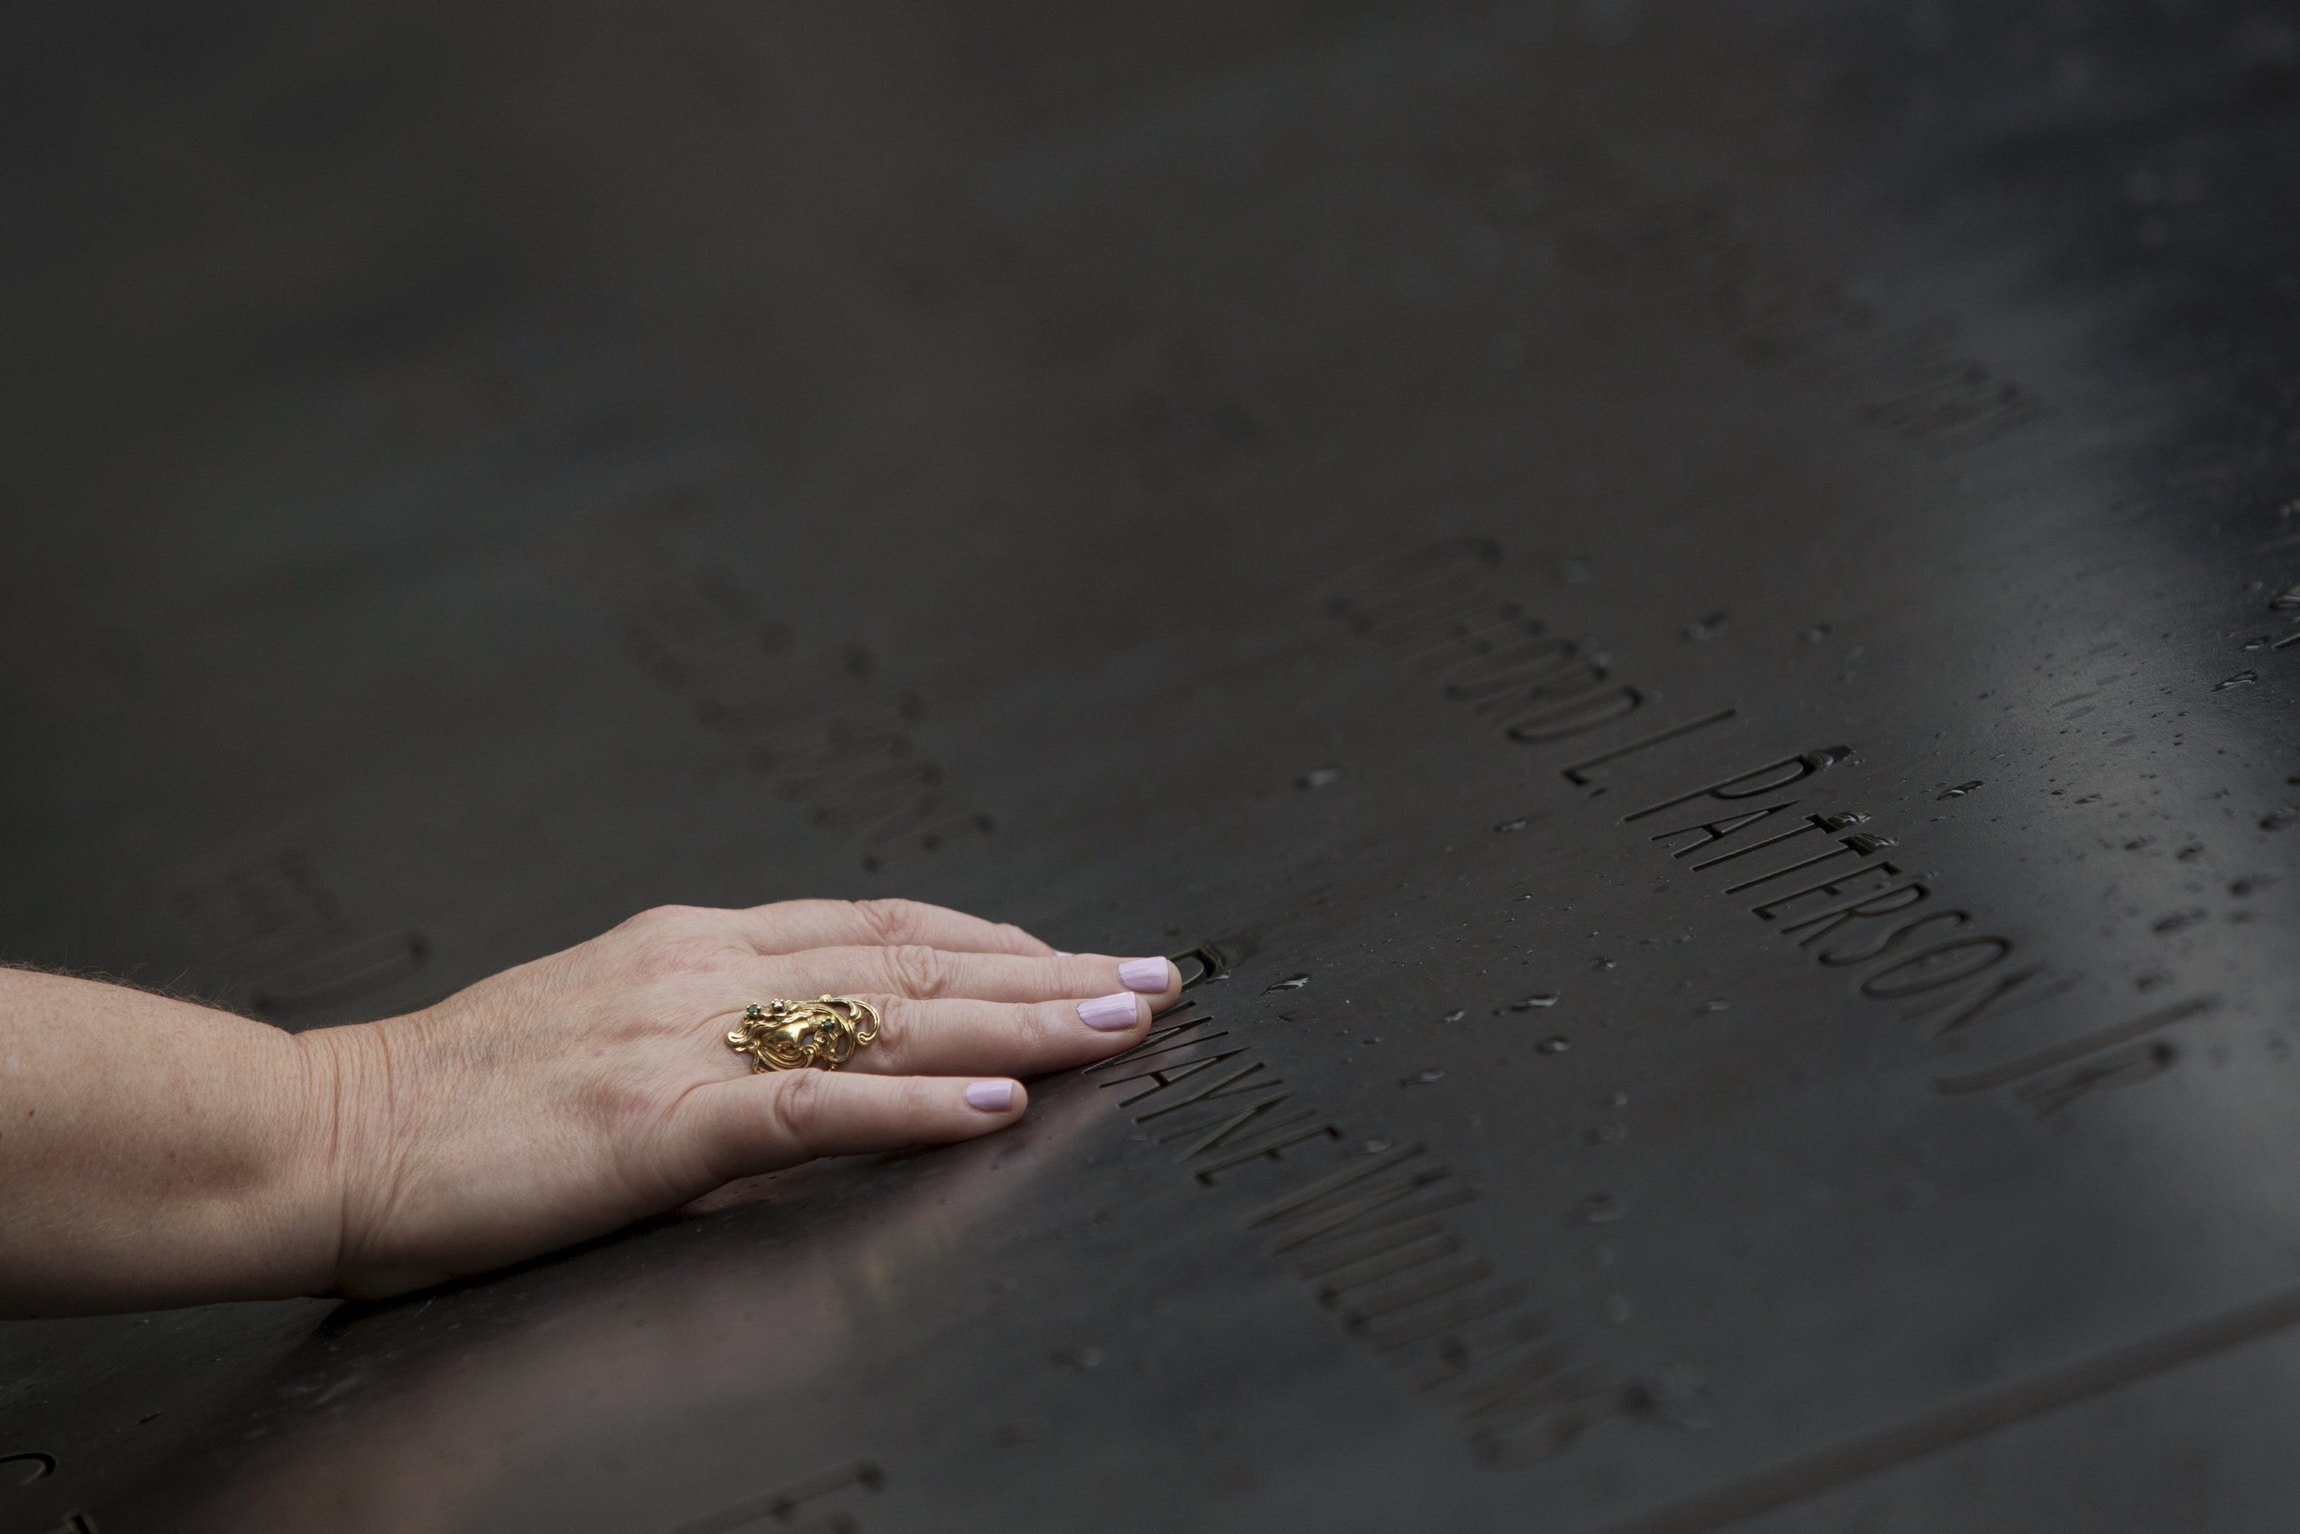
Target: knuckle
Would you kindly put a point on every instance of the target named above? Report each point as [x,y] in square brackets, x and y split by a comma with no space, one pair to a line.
[890,923]
[661,918]
[1046,1024]
[919,970]
[673,958]
[797,1107]
[894,1026]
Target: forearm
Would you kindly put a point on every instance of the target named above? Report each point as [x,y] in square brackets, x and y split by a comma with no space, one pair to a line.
[155,1152]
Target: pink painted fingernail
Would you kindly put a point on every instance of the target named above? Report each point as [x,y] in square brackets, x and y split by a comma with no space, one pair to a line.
[990,1096]
[1149,976]
[1109,1013]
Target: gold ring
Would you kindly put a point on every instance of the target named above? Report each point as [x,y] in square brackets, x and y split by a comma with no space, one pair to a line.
[792,1035]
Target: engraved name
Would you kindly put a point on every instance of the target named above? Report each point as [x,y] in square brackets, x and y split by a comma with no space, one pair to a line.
[1370,1240]
[1440,608]
[1807,873]
[1850,907]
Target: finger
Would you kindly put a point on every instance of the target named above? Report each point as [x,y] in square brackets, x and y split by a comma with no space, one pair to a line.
[792,926]
[930,973]
[764,1123]
[1027,1038]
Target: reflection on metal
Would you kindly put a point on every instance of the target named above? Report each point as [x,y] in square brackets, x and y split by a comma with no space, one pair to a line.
[1682,620]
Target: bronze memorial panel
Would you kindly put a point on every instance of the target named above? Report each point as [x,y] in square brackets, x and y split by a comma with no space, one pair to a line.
[1687,618]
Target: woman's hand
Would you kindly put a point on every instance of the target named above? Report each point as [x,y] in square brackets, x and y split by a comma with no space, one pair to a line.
[573,1095]
[554,1102]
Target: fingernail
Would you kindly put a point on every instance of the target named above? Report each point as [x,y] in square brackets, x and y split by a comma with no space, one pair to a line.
[1108,1013]
[1146,975]
[990,1096]
[1064,953]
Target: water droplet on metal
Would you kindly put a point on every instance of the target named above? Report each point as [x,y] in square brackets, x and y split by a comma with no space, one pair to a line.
[1843,819]
[1319,777]
[1422,1078]
[1815,634]
[1555,1044]
[1518,824]
[1714,1005]
[2277,820]
[1374,1147]
[1455,1016]
[2287,601]
[2243,678]
[2250,884]
[1704,630]
[1960,790]
[1677,1394]
[1602,1209]
[1601,964]
[1539,1001]
[1290,983]
[2176,920]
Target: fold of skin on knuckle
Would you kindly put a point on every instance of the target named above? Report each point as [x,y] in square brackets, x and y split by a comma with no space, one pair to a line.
[919,971]
[891,923]
[898,1034]
[797,1107]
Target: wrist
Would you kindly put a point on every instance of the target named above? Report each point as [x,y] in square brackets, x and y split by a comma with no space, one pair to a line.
[344,1146]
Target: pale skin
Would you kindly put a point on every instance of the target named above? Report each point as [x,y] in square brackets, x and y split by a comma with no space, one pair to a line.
[154,1152]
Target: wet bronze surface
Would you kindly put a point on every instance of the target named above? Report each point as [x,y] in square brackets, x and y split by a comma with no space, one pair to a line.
[1684,605]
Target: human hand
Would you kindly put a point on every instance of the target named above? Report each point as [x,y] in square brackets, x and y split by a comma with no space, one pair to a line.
[570,1096]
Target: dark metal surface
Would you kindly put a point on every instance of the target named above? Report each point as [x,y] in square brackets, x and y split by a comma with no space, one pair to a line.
[1301,481]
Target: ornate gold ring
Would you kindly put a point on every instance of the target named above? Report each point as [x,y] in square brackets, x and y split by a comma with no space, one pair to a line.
[792,1035]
